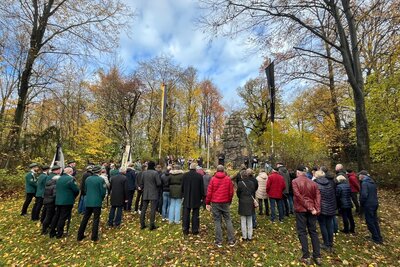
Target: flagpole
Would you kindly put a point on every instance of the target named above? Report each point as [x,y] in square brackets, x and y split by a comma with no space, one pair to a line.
[208,150]
[272,142]
[162,120]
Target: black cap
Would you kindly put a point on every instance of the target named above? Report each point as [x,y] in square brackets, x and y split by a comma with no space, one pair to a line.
[301,168]
[45,167]
[33,165]
[96,169]
[363,172]
[55,167]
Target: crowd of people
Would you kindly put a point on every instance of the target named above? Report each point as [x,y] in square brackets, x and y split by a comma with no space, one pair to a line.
[315,195]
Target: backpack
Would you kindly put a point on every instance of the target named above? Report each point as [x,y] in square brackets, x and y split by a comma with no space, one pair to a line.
[50,191]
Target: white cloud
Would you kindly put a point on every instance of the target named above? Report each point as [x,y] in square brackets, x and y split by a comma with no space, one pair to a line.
[166,27]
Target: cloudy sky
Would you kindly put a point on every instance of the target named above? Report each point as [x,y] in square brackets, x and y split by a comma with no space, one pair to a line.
[166,27]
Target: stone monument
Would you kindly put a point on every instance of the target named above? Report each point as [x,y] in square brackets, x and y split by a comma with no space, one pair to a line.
[235,142]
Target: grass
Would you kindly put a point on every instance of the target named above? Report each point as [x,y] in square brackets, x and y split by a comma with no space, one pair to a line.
[274,245]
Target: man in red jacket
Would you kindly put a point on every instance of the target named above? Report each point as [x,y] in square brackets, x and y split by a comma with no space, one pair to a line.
[355,189]
[307,205]
[275,187]
[218,201]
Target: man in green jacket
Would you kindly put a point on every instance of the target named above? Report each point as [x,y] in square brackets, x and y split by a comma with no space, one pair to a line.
[30,187]
[95,189]
[41,183]
[66,192]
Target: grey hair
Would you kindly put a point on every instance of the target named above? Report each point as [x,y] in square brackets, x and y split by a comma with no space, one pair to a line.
[220,168]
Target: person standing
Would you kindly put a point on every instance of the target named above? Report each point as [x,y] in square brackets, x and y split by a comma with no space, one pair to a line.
[119,197]
[82,198]
[275,187]
[250,176]
[30,187]
[131,184]
[307,206]
[165,187]
[149,183]
[72,164]
[193,194]
[219,198]
[66,192]
[49,198]
[139,199]
[343,194]
[369,203]
[355,189]
[96,189]
[261,193]
[286,176]
[328,209]
[206,181]
[175,194]
[245,192]
[41,183]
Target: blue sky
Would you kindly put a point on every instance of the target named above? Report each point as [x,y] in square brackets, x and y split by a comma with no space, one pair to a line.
[166,27]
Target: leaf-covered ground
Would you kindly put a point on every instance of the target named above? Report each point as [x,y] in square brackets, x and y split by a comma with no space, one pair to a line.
[274,244]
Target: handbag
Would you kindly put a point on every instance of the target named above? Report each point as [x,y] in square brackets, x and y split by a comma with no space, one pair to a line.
[255,201]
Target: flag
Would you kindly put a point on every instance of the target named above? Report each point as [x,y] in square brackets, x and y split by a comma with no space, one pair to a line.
[163,101]
[269,71]
[126,156]
[58,158]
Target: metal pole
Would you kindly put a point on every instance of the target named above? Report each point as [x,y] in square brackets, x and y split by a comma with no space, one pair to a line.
[208,150]
[161,132]
[272,142]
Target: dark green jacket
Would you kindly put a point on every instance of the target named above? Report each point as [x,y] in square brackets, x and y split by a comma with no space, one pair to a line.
[30,183]
[95,188]
[175,183]
[41,183]
[66,190]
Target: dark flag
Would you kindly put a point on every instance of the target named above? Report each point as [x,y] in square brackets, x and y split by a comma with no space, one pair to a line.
[58,158]
[269,71]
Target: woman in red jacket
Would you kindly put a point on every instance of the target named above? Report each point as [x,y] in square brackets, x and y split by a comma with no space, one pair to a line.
[275,187]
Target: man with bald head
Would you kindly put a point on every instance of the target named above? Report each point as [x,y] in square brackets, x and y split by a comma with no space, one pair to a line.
[66,192]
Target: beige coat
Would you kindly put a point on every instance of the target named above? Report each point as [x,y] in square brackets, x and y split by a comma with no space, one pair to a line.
[261,192]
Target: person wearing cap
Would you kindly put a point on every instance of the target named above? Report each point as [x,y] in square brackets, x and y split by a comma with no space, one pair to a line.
[343,195]
[72,164]
[275,187]
[82,198]
[30,187]
[41,183]
[95,189]
[369,203]
[307,206]
[193,194]
[218,201]
[66,192]
[149,183]
[49,197]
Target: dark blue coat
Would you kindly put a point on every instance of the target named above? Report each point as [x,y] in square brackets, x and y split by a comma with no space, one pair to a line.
[131,179]
[343,195]
[328,196]
[368,194]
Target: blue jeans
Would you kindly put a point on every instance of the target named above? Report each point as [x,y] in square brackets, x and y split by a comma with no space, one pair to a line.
[115,220]
[335,225]
[326,226]
[174,213]
[165,206]
[279,202]
[371,218]
[82,205]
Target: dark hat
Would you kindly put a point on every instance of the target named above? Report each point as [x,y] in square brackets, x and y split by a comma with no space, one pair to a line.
[33,165]
[275,169]
[55,167]
[70,161]
[151,165]
[363,172]
[301,168]
[96,169]
[45,167]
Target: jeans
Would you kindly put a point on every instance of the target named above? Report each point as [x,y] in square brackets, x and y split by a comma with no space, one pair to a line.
[354,198]
[220,210]
[195,220]
[28,200]
[290,199]
[153,208]
[174,213]
[335,225]
[306,221]
[246,224]
[279,202]
[347,216]
[37,208]
[82,205]
[326,226]
[95,227]
[371,218]
[165,206]
[131,194]
[260,201]
[115,220]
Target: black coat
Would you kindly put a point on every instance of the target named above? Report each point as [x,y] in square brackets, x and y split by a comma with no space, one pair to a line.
[119,190]
[150,182]
[131,179]
[328,196]
[245,191]
[82,186]
[255,182]
[192,189]
[343,195]
[165,181]
[175,184]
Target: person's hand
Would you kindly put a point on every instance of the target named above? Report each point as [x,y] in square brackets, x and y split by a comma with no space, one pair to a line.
[314,212]
[208,207]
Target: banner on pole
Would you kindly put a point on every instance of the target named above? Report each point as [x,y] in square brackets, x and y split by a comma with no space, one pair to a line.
[269,71]
[58,158]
